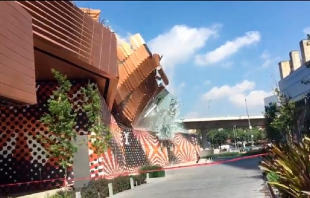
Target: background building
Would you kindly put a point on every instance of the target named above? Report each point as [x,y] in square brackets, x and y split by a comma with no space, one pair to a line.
[270,99]
[294,84]
[295,74]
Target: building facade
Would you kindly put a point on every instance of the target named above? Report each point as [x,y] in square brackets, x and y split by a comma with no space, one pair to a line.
[295,85]
[38,36]
[270,99]
[295,74]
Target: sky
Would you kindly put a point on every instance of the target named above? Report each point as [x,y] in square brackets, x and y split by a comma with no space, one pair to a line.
[215,54]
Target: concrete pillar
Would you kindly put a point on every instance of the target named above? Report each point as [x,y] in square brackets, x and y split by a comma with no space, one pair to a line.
[110,186]
[78,194]
[204,139]
[147,177]
[294,60]
[284,68]
[304,50]
[132,185]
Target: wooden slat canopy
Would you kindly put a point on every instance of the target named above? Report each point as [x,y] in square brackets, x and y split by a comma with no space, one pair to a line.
[137,76]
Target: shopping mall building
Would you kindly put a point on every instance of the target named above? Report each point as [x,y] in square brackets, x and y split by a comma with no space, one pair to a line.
[295,83]
[36,36]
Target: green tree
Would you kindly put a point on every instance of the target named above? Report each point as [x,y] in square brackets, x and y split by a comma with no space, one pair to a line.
[238,134]
[272,133]
[61,121]
[61,118]
[100,134]
[217,136]
[286,117]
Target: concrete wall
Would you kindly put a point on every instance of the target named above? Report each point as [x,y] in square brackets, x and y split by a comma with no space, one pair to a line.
[295,62]
[285,68]
[305,51]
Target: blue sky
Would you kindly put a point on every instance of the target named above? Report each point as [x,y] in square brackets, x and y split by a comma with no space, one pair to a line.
[220,52]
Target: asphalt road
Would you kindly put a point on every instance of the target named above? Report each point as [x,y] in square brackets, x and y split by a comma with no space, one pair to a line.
[241,179]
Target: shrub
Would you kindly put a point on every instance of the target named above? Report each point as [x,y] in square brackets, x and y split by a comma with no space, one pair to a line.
[140,179]
[153,174]
[99,187]
[235,154]
[232,154]
[288,167]
[63,194]
[120,184]
[254,152]
[96,187]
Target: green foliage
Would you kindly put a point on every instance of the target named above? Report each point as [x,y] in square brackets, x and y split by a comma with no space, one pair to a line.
[288,167]
[281,120]
[272,176]
[153,174]
[120,184]
[95,188]
[217,136]
[100,134]
[61,121]
[140,179]
[100,186]
[240,134]
[236,154]
[271,112]
[286,118]
[63,194]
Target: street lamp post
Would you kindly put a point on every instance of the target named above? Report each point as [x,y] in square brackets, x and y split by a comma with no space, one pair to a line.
[250,127]
[234,130]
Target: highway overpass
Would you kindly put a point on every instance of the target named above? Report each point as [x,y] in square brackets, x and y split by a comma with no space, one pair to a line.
[222,122]
[205,124]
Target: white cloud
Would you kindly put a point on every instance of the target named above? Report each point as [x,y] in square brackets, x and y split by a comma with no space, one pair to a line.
[179,44]
[226,90]
[236,94]
[254,98]
[306,30]
[228,49]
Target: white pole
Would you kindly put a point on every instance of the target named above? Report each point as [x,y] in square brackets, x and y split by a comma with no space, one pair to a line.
[250,126]
[234,130]
[110,186]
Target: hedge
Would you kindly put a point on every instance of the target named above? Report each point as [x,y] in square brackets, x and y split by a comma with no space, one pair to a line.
[155,174]
[100,187]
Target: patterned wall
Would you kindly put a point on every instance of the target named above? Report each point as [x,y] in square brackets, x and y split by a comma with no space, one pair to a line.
[23,157]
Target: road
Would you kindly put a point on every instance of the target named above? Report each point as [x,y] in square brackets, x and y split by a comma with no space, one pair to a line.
[240,179]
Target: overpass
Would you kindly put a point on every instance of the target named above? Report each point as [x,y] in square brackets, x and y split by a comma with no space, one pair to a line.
[205,124]
[222,122]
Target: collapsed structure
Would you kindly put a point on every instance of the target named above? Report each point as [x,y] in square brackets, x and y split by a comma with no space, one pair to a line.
[38,36]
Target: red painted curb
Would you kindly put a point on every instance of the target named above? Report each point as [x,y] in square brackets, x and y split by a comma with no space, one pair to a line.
[129,173]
